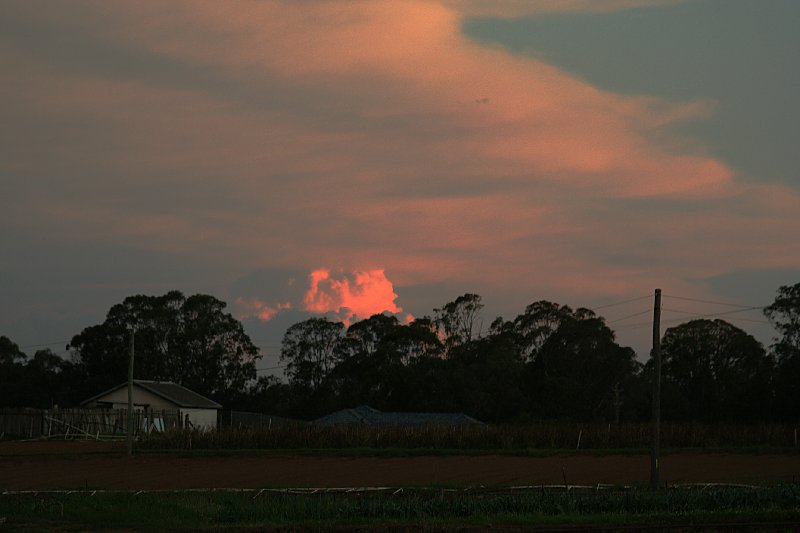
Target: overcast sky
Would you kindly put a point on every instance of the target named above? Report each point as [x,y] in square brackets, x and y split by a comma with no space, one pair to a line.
[348,158]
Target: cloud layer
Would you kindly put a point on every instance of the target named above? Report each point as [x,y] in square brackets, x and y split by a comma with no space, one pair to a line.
[369,137]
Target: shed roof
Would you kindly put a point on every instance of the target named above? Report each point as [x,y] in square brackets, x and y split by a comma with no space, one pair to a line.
[172,392]
[367,415]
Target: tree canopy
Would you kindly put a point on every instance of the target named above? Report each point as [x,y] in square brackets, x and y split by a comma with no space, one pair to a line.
[191,341]
[549,362]
[713,370]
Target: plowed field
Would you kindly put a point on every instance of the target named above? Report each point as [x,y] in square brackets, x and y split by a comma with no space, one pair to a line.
[36,465]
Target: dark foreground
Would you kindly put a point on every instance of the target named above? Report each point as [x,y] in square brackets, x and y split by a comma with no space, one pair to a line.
[92,486]
[115,471]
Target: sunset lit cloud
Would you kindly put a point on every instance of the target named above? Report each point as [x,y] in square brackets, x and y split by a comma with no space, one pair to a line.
[253,307]
[212,140]
[358,295]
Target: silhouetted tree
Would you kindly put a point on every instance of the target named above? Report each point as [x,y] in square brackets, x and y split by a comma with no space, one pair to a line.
[457,321]
[713,370]
[784,314]
[191,341]
[311,350]
[9,352]
[576,367]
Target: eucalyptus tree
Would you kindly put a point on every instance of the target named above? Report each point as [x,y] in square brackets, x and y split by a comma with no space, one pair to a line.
[311,349]
[712,370]
[784,314]
[458,321]
[575,367]
[191,341]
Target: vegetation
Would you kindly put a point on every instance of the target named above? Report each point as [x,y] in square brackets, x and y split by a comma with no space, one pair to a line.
[551,362]
[518,439]
[191,341]
[329,510]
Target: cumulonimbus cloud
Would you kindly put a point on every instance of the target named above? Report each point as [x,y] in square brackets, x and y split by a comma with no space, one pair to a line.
[344,296]
[350,296]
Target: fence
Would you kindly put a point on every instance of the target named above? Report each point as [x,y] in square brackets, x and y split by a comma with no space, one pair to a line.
[243,419]
[83,423]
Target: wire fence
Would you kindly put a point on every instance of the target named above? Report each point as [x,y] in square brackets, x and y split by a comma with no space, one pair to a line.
[83,423]
[245,419]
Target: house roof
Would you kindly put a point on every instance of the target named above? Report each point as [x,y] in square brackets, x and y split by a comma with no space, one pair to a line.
[367,415]
[172,392]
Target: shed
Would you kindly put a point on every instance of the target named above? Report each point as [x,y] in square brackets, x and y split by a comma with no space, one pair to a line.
[198,410]
[370,416]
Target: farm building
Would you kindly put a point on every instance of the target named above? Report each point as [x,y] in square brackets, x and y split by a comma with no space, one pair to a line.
[155,396]
[367,415]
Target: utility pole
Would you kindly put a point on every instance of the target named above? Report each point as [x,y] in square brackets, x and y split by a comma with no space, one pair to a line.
[656,355]
[129,441]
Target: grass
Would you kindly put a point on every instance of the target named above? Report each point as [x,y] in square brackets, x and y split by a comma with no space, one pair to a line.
[219,510]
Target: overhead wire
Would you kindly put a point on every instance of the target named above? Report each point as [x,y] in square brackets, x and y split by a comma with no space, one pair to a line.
[728,304]
[270,368]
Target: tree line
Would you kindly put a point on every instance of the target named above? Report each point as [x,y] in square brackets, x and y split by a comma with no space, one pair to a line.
[549,362]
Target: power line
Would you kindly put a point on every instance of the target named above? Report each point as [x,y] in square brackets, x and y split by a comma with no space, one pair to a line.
[728,304]
[743,310]
[678,311]
[717,314]
[270,368]
[740,319]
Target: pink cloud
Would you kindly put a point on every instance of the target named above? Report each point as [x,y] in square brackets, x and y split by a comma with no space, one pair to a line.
[359,295]
[255,307]
[351,134]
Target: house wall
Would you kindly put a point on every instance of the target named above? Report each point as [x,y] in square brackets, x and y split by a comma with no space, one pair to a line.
[201,418]
[141,398]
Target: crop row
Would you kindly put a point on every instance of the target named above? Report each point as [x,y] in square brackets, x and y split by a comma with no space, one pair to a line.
[545,435]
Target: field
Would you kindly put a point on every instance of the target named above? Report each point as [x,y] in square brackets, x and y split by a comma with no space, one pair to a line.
[91,484]
[82,464]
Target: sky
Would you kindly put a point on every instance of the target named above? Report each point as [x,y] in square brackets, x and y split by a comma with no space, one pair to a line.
[343,158]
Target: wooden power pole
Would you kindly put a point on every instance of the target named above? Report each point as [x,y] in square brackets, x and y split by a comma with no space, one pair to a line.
[656,355]
[129,441]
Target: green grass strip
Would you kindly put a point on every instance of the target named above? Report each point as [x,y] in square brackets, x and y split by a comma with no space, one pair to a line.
[159,511]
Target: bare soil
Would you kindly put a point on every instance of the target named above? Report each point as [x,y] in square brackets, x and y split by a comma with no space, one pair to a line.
[39,466]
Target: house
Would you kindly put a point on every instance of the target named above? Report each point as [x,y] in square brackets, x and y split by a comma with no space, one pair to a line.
[197,410]
[367,415]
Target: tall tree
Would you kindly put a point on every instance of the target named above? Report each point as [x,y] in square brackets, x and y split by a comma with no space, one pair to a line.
[713,370]
[538,323]
[9,352]
[368,353]
[191,341]
[311,350]
[13,391]
[576,367]
[784,314]
[458,321]
[417,339]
